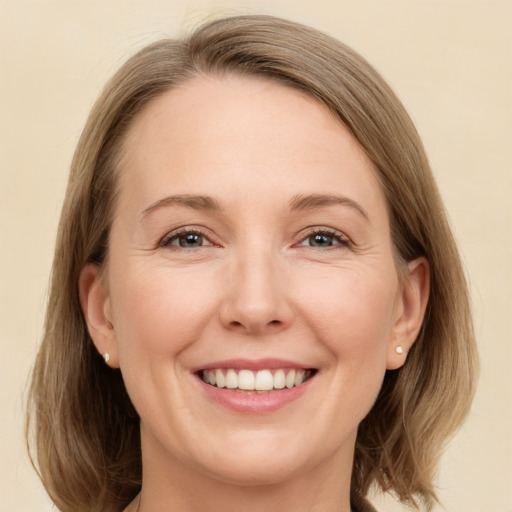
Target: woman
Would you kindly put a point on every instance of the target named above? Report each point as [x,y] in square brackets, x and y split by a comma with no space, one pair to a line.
[256,299]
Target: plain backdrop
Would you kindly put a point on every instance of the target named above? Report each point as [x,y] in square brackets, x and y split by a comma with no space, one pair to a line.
[450,62]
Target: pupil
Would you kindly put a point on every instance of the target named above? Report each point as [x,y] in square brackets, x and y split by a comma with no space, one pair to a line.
[321,240]
[191,240]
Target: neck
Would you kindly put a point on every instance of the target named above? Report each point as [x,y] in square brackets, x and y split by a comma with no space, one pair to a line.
[322,488]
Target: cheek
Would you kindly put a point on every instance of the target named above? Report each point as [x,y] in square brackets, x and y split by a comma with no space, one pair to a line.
[351,311]
[352,316]
[160,310]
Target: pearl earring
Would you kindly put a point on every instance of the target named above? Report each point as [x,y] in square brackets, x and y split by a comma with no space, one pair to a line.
[106,357]
[399,349]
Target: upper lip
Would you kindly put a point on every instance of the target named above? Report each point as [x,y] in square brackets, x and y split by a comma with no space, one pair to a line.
[253,364]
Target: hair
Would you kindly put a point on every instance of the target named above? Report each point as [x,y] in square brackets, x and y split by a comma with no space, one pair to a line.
[84,427]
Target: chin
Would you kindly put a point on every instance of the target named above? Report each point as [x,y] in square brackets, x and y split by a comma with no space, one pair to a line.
[263,458]
[247,472]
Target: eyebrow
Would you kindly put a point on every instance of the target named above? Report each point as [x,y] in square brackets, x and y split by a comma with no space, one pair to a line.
[312,201]
[196,202]
[298,203]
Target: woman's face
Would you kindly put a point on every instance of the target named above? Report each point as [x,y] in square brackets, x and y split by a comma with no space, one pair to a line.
[250,248]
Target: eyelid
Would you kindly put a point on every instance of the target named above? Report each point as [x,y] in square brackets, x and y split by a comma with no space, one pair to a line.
[185,230]
[342,238]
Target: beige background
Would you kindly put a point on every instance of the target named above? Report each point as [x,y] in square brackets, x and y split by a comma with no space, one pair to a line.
[451,63]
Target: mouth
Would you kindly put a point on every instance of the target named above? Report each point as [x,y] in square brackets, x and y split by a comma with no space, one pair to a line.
[261,381]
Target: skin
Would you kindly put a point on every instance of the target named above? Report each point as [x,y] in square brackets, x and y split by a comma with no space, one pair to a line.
[256,287]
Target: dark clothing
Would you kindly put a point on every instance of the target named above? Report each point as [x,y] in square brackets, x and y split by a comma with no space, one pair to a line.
[360,504]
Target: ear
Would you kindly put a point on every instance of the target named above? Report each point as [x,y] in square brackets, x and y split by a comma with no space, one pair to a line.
[411,309]
[95,301]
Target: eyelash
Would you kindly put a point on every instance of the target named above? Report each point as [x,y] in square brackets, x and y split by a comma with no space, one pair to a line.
[175,235]
[342,240]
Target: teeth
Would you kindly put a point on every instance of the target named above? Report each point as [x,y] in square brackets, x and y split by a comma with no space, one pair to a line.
[212,378]
[245,379]
[264,380]
[231,379]
[220,380]
[259,381]
[299,377]
[279,379]
[290,379]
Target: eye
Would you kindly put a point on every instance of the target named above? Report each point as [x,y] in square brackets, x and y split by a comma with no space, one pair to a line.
[186,239]
[324,239]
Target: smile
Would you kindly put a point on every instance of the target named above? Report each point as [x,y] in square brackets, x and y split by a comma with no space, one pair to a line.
[257,381]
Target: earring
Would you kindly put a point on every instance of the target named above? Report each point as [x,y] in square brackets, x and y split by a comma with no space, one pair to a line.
[399,349]
[106,357]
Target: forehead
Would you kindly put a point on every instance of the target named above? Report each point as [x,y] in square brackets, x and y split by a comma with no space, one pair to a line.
[245,130]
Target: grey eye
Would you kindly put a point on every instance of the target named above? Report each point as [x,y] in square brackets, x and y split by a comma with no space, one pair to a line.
[188,240]
[321,240]
[324,239]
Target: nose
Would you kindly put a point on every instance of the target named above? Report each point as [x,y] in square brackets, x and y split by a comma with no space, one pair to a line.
[255,297]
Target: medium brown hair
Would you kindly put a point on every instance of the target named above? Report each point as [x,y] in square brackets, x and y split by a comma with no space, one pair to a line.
[85,428]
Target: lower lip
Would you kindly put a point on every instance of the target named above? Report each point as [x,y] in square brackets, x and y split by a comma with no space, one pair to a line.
[254,403]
